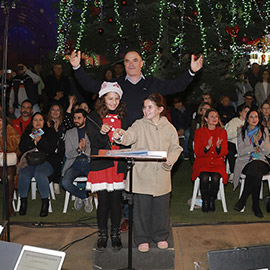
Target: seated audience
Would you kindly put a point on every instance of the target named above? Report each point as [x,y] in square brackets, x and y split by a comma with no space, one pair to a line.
[225,110]
[118,70]
[265,115]
[206,97]
[252,147]
[242,86]
[181,119]
[57,86]
[55,121]
[13,139]
[21,123]
[84,105]
[210,148]
[262,88]
[108,74]
[232,129]
[77,153]
[68,116]
[196,123]
[23,87]
[253,75]
[250,101]
[37,153]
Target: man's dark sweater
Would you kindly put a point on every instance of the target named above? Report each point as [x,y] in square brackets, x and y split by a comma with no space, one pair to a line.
[134,94]
[52,86]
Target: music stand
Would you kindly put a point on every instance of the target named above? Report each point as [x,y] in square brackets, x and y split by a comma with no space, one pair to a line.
[131,157]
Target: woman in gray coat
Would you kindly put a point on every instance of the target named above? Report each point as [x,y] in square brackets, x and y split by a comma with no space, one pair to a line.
[252,147]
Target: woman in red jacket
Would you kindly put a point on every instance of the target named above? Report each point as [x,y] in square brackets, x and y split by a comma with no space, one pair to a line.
[210,148]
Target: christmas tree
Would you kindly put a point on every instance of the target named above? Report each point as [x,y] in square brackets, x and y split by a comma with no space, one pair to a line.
[167,33]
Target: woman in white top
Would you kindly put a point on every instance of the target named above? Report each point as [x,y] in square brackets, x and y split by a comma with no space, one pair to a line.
[262,88]
[232,128]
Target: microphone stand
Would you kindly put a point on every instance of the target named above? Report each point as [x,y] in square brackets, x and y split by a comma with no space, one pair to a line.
[5,215]
[130,164]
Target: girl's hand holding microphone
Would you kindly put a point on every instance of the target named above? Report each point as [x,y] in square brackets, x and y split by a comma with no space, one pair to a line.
[105,128]
[117,134]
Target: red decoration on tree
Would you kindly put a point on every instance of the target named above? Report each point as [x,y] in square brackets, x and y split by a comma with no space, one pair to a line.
[124,2]
[147,45]
[195,12]
[232,31]
[95,11]
[245,39]
[100,31]
[110,20]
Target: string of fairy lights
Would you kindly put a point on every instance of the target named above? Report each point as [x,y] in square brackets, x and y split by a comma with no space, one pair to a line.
[220,42]
[82,24]
[65,15]
[233,47]
[267,17]
[178,43]
[247,11]
[152,68]
[202,28]
[257,9]
[243,13]
[120,26]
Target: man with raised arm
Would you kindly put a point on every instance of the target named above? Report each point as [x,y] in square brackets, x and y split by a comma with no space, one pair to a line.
[136,87]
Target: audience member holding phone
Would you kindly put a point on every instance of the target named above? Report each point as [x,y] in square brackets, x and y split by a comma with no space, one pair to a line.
[40,140]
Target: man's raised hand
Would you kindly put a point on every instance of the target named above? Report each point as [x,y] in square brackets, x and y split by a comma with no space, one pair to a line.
[75,58]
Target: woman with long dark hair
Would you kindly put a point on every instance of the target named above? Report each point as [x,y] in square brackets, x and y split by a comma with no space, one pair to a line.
[42,140]
[55,122]
[252,147]
[210,148]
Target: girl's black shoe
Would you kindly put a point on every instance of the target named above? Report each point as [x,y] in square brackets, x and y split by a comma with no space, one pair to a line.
[257,211]
[23,207]
[116,239]
[102,241]
[205,206]
[44,208]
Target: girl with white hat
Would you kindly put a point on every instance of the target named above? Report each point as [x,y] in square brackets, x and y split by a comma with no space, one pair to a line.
[106,176]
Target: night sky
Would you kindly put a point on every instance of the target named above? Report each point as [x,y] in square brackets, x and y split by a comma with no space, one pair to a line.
[32,31]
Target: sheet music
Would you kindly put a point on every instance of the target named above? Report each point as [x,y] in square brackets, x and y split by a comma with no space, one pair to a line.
[137,153]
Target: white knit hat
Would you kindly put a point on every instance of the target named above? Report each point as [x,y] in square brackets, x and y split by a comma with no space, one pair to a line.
[107,87]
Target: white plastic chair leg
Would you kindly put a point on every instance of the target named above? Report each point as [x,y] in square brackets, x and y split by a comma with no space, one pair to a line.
[52,191]
[222,195]
[195,191]
[95,200]
[66,202]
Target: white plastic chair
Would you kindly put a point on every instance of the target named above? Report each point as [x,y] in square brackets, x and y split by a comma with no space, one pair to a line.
[67,196]
[220,195]
[34,192]
[242,184]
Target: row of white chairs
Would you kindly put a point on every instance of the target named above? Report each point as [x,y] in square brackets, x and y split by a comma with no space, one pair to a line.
[221,193]
[52,195]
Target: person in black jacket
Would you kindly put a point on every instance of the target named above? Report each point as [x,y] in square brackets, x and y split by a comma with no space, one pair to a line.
[57,86]
[135,86]
[23,87]
[181,119]
[46,144]
[106,176]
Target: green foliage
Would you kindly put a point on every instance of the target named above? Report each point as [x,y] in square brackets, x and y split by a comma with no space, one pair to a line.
[140,21]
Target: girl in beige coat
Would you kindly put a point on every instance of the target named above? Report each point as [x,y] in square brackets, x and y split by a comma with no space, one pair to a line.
[152,179]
